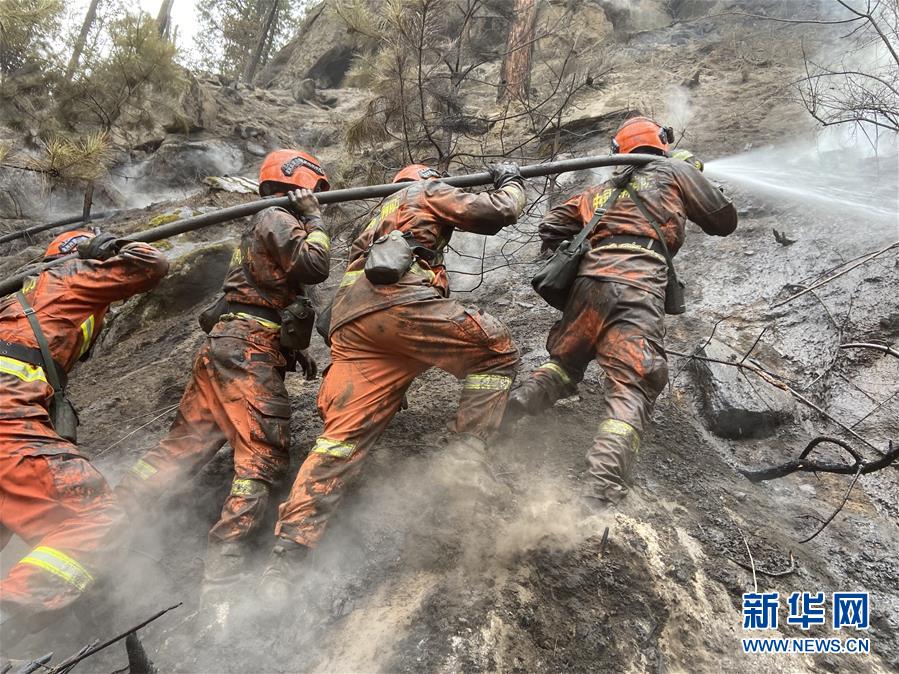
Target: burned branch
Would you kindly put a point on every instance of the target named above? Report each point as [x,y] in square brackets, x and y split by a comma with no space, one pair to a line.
[860,466]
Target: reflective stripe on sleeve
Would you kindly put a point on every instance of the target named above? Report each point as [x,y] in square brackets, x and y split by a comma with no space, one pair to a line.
[143,470]
[342,450]
[320,238]
[517,193]
[350,278]
[625,430]
[248,487]
[59,564]
[24,371]
[487,382]
[87,335]
[558,370]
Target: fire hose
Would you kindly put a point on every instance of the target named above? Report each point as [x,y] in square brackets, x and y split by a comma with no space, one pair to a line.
[13,283]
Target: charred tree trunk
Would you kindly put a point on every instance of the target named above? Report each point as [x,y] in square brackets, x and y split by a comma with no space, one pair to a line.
[88,201]
[266,35]
[82,39]
[516,70]
[164,18]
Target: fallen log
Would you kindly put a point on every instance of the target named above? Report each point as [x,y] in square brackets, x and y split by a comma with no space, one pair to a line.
[71,220]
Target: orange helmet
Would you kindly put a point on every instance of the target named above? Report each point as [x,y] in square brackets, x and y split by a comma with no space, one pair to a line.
[282,170]
[67,242]
[415,172]
[638,132]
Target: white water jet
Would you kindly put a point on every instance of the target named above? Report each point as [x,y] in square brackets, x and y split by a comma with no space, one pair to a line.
[844,182]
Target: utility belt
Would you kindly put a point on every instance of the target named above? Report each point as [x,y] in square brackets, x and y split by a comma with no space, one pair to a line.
[295,321]
[26,354]
[266,314]
[650,244]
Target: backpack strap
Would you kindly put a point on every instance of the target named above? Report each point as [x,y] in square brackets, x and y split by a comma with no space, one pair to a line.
[638,201]
[49,364]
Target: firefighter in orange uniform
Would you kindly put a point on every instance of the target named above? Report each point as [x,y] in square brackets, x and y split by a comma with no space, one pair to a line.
[237,393]
[616,308]
[385,335]
[50,494]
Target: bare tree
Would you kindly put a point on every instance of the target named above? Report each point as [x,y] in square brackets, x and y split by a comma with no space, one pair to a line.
[80,41]
[164,18]
[431,100]
[263,41]
[516,68]
[862,86]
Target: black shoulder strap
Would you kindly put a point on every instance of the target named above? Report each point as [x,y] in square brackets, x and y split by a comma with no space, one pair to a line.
[638,200]
[49,363]
[597,216]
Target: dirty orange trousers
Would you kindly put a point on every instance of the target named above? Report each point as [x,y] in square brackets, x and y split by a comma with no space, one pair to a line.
[622,327]
[374,358]
[55,500]
[236,395]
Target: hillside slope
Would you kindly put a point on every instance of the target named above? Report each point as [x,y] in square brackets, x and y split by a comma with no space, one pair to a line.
[407,583]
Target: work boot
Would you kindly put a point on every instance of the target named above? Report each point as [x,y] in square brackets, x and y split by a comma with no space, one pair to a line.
[611,460]
[223,578]
[282,574]
[529,399]
[464,470]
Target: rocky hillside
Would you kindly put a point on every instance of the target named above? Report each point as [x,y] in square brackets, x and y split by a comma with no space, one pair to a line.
[404,583]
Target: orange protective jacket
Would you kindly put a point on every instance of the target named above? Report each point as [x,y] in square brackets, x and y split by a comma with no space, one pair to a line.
[71,301]
[430,210]
[673,192]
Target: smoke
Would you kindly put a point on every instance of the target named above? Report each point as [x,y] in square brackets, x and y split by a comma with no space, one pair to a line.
[679,111]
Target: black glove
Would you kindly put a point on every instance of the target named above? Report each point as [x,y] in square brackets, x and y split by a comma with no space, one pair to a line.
[101,247]
[504,174]
[307,364]
[304,203]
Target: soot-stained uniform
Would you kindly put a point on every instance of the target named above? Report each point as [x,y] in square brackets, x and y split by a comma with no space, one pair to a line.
[383,336]
[50,494]
[236,393]
[615,312]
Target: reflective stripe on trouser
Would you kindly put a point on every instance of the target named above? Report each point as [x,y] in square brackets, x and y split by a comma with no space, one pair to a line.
[24,371]
[237,396]
[374,358]
[622,327]
[59,564]
[63,507]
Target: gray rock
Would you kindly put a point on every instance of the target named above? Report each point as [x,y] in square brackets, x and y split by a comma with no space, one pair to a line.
[177,162]
[736,404]
[304,90]
[195,109]
[256,149]
[23,194]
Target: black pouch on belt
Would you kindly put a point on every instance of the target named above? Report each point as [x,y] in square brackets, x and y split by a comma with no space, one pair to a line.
[63,416]
[211,314]
[297,324]
[388,258]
